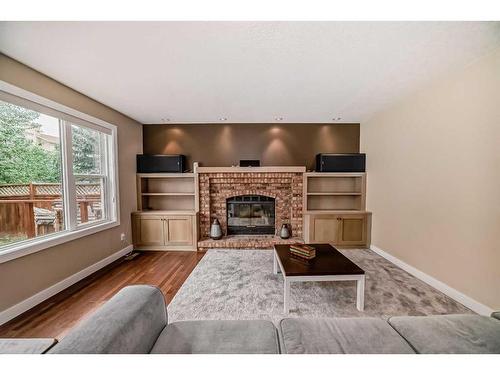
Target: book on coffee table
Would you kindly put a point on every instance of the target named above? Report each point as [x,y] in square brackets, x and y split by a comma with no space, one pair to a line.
[301,246]
[303,251]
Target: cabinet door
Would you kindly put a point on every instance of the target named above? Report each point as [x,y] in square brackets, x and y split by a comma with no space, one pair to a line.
[179,230]
[324,229]
[352,230]
[150,231]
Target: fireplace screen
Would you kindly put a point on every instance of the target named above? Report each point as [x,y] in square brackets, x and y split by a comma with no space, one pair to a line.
[250,214]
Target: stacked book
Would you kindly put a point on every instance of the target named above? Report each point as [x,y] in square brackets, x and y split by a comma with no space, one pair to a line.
[303,251]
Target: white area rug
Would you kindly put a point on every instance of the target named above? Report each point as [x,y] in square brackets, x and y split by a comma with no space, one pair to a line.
[240,284]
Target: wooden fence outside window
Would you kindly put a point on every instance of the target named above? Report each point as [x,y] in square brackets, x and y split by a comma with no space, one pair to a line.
[36,209]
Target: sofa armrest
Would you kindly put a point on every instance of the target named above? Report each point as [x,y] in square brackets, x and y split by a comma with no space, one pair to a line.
[128,323]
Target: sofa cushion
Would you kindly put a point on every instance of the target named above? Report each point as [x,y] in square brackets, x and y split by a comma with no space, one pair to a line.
[340,335]
[25,346]
[128,323]
[218,337]
[450,333]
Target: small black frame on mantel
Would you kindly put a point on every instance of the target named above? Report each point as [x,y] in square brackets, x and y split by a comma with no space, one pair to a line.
[249,163]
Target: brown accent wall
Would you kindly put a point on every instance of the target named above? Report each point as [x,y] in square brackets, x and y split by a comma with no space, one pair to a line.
[23,277]
[217,145]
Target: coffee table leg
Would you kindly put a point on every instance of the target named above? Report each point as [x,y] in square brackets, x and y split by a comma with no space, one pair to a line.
[360,303]
[286,296]
[275,263]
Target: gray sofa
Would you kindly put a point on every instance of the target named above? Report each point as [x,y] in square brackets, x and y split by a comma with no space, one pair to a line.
[135,321]
[439,334]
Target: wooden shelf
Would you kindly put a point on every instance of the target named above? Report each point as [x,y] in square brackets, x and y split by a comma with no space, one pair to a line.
[165,175]
[168,194]
[165,212]
[167,205]
[334,174]
[334,209]
[336,212]
[336,193]
[333,192]
[250,169]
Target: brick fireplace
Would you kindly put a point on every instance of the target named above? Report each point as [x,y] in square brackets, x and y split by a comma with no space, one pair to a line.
[250,214]
[217,185]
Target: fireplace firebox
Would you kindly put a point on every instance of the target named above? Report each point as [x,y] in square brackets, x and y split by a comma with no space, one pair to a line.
[250,214]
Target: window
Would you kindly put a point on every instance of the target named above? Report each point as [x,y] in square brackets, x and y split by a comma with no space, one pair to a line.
[58,177]
[90,171]
[31,201]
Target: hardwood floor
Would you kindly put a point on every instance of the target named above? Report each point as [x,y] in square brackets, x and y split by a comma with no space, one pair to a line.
[55,317]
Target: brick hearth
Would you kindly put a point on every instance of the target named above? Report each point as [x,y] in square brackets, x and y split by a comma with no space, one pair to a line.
[245,242]
[284,187]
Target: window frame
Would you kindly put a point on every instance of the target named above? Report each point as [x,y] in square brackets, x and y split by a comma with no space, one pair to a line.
[72,231]
[105,178]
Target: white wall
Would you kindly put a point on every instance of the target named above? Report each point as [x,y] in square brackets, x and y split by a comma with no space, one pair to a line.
[433,165]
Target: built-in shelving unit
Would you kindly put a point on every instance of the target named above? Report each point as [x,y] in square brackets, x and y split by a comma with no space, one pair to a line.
[334,191]
[167,206]
[335,209]
[166,192]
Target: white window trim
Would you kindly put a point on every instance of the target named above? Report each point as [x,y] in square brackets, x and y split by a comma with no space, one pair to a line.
[23,248]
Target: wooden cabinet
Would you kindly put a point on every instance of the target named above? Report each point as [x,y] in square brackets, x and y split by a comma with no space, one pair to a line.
[164,232]
[178,230]
[323,229]
[149,230]
[167,216]
[334,205]
[340,229]
[353,230]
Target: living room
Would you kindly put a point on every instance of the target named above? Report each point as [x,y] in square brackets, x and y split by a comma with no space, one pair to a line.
[264,187]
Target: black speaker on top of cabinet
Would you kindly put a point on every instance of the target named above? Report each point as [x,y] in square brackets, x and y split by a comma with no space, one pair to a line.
[161,163]
[340,162]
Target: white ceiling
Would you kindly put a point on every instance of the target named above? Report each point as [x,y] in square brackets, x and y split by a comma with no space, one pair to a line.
[306,72]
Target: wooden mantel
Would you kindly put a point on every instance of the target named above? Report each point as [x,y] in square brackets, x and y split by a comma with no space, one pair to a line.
[299,169]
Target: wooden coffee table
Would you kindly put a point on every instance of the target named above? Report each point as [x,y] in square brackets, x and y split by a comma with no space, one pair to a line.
[329,265]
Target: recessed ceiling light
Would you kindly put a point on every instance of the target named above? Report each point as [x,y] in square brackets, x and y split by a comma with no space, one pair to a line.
[223,119]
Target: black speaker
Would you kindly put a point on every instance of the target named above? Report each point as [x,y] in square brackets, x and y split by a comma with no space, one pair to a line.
[161,163]
[340,162]
[249,163]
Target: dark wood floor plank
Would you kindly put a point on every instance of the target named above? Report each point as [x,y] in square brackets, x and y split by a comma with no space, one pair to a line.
[55,317]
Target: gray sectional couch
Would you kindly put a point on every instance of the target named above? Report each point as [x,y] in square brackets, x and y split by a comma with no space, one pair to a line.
[135,321]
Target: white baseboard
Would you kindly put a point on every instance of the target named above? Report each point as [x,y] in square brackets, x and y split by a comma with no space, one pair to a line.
[442,287]
[34,300]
